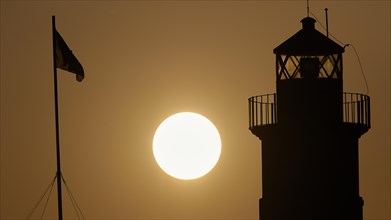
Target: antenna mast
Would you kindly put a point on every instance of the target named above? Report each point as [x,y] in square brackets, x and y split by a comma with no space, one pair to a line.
[308,9]
[327,23]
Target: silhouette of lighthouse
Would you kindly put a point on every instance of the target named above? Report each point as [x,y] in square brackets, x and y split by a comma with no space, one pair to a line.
[309,131]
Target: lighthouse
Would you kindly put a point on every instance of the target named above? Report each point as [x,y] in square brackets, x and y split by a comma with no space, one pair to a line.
[309,131]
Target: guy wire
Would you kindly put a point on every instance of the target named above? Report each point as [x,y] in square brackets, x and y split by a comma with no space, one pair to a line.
[345,45]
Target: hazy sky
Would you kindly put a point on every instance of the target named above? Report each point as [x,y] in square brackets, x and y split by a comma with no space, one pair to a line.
[147,60]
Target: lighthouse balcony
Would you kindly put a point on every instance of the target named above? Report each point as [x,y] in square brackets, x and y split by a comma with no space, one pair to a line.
[356,110]
[262,110]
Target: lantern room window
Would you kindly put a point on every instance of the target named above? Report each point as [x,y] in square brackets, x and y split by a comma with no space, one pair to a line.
[322,66]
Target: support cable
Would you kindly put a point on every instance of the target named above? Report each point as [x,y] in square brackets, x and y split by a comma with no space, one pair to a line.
[346,45]
[73,200]
[47,200]
[50,187]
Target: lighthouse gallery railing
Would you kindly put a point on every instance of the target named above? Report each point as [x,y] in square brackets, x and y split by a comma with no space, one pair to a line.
[263,109]
[356,109]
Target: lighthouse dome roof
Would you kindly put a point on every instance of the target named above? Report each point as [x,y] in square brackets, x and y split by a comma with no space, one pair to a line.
[308,42]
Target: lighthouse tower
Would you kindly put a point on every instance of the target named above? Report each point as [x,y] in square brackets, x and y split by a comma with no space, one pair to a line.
[309,131]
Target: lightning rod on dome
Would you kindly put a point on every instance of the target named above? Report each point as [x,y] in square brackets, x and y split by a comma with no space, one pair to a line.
[327,23]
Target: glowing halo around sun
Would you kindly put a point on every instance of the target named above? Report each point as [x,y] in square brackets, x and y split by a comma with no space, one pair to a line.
[186,145]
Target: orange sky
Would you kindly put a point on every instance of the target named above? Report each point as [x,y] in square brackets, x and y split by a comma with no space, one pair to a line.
[146,60]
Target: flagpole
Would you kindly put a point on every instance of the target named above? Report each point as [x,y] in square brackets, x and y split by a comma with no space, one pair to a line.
[58,174]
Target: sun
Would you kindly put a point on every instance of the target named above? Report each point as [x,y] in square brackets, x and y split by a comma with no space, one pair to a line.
[186,145]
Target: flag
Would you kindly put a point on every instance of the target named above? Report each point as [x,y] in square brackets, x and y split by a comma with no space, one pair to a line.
[65,59]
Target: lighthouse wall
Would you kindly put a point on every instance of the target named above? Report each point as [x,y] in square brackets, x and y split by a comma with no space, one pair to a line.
[309,101]
[309,177]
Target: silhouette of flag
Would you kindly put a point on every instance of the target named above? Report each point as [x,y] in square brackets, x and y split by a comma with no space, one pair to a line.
[65,59]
